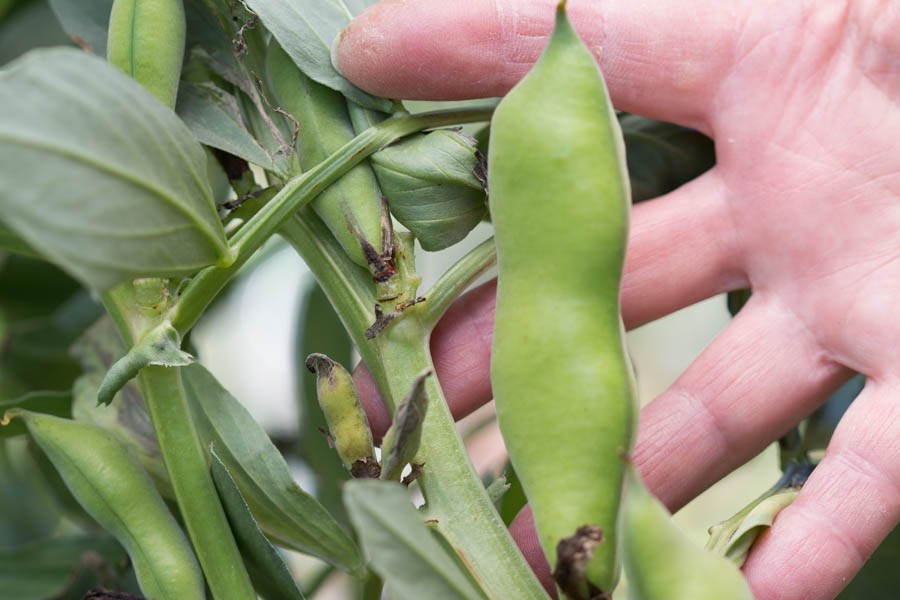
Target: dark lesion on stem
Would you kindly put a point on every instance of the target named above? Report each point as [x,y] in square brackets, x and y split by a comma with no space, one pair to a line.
[572,557]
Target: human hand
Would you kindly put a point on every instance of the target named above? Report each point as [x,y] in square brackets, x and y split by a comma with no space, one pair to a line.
[803,102]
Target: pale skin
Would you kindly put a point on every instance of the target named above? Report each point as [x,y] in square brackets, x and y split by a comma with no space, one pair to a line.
[803,101]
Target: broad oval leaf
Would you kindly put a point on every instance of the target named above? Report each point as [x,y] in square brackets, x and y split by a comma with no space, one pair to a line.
[412,562]
[287,514]
[306,30]
[431,181]
[99,176]
[214,117]
[85,21]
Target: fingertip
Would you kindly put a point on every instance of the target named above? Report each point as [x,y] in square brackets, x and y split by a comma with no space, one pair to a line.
[428,50]
[524,534]
[372,403]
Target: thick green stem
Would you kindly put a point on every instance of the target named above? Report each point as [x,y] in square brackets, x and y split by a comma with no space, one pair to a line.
[184,458]
[298,192]
[194,490]
[454,493]
[456,280]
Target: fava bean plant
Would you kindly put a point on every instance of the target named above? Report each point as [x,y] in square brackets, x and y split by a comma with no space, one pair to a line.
[147,155]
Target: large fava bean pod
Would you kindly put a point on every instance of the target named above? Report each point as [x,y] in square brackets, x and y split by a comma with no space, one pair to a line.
[562,381]
[109,482]
[661,563]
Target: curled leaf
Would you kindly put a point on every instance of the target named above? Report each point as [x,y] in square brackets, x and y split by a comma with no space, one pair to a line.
[161,346]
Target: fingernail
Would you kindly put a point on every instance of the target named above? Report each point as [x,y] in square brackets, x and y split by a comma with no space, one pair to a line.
[335,49]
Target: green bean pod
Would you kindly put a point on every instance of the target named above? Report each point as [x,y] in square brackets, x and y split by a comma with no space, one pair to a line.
[561,377]
[146,41]
[344,414]
[661,563]
[110,484]
[323,127]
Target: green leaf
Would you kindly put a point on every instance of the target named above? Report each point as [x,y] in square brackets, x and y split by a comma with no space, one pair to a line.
[214,117]
[514,499]
[821,424]
[99,176]
[47,569]
[430,182]
[32,288]
[52,403]
[357,6]
[878,579]
[663,156]
[36,350]
[306,30]
[161,346]
[13,242]
[86,22]
[288,515]
[29,24]
[401,548]
[270,575]
[26,499]
[734,537]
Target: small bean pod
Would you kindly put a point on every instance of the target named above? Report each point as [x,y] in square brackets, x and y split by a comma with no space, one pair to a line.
[344,414]
[324,126]
[112,486]
[661,563]
[146,41]
[561,378]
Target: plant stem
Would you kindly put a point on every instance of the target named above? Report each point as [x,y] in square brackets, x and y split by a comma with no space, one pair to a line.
[456,280]
[206,523]
[456,496]
[298,192]
[454,493]
[184,458]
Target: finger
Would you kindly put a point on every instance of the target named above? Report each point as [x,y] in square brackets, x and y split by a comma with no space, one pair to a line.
[682,250]
[661,58]
[848,506]
[525,536]
[461,352]
[757,379]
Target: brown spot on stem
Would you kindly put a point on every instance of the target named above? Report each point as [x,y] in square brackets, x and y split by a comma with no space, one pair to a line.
[417,469]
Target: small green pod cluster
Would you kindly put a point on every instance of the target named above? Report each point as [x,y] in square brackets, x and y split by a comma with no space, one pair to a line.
[146,41]
[661,563]
[562,380]
[110,484]
[430,181]
[323,127]
[344,414]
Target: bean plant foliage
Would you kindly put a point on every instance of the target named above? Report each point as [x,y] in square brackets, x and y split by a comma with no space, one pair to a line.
[124,219]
